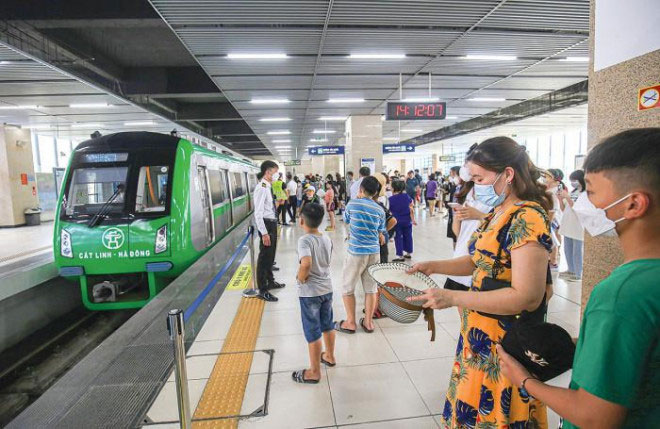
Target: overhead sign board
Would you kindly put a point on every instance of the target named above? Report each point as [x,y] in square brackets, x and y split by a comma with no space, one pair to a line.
[404,111]
[398,148]
[447,158]
[326,150]
[292,163]
[649,98]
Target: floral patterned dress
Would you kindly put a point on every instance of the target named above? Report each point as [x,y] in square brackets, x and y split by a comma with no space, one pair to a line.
[479,396]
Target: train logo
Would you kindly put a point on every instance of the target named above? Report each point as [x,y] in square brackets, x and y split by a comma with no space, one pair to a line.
[113,238]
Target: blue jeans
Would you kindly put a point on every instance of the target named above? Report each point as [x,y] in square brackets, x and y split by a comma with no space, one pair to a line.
[573,252]
[316,313]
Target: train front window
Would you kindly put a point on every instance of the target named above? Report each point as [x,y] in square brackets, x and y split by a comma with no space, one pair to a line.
[153,182]
[91,188]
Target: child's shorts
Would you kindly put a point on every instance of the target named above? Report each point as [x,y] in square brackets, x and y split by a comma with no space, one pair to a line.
[355,270]
[316,313]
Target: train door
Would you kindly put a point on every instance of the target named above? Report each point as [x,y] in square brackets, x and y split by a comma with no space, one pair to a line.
[207,207]
[248,190]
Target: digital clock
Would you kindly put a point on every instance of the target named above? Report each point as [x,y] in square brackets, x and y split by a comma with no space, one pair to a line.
[402,111]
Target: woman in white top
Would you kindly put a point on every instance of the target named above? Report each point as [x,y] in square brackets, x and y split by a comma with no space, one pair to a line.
[571,228]
[552,179]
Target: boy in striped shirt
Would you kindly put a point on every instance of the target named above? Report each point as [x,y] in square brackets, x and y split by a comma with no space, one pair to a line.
[366,223]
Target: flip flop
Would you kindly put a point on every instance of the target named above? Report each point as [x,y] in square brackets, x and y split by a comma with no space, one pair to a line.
[325,362]
[367,330]
[344,330]
[299,377]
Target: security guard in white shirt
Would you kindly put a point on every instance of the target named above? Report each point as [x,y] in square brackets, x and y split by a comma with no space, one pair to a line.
[265,218]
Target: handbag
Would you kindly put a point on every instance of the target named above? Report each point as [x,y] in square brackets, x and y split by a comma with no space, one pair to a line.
[492,283]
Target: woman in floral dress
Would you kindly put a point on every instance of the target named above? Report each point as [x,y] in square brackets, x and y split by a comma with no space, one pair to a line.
[511,245]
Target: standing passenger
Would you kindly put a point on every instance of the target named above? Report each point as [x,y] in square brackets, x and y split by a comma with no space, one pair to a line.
[265,218]
[292,191]
[355,186]
[401,206]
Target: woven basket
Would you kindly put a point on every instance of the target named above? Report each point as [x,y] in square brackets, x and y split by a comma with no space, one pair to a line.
[393,310]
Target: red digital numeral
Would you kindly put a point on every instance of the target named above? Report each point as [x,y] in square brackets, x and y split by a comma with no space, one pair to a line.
[402,110]
[419,110]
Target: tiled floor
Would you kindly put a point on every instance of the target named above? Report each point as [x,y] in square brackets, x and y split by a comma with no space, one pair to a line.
[25,241]
[393,378]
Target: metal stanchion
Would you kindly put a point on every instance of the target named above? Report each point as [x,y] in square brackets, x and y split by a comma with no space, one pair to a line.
[249,293]
[175,326]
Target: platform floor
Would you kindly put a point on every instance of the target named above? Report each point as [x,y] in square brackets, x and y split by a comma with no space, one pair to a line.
[393,378]
[22,242]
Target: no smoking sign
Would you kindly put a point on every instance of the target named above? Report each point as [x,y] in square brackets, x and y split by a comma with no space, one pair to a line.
[648,98]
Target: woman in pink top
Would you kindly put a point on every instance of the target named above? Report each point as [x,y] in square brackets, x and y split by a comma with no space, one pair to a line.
[329,199]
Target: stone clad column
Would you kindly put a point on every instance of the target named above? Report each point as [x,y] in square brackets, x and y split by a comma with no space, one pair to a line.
[364,139]
[613,108]
[17,181]
[434,162]
[331,165]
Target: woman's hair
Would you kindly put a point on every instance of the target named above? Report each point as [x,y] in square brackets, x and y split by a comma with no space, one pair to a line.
[431,176]
[579,176]
[498,153]
[265,166]
[398,186]
[465,189]
[387,178]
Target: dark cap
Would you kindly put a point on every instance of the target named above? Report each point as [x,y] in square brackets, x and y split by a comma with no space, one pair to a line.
[545,349]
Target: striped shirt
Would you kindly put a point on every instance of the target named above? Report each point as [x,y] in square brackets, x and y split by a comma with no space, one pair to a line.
[366,220]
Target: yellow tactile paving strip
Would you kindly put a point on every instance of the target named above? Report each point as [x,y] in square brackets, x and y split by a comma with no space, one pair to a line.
[224,391]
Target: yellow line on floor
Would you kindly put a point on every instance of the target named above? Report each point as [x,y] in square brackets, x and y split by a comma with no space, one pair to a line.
[224,391]
[241,278]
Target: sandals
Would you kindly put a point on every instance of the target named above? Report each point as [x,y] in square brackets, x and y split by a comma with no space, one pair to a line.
[398,260]
[344,330]
[299,377]
[325,362]
[367,330]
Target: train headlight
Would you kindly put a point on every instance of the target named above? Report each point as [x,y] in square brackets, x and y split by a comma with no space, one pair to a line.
[65,244]
[161,239]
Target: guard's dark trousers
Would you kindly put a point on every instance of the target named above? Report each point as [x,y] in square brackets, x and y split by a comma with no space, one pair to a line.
[267,257]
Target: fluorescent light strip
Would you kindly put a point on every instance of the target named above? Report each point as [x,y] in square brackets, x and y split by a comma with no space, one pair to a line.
[377,56]
[274,119]
[138,123]
[411,130]
[282,141]
[25,106]
[86,125]
[279,133]
[324,132]
[283,147]
[318,140]
[491,57]
[256,56]
[486,99]
[40,127]
[421,99]
[451,117]
[89,105]
[391,139]
[346,100]
[576,59]
[332,118]
[270,101]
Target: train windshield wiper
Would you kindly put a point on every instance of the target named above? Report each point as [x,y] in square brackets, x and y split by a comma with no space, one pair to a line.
[105,207]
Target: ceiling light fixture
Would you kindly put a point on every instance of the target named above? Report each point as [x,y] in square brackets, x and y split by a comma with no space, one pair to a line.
[332,118]
[576,59]
[138,123]
[346,100]
[24,106]
[279,133]
[270,101]
[257,56]
[377,56]
[89,105]
[391,139]
[324,132]
[274,119]
[411,130]
[451,117]
[86,125]
[486,99]
[282,141]
[421,99]
[318,140]
[282,147]
[491,57]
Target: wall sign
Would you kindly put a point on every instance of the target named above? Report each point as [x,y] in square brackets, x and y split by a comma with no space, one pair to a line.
[402,111]
[648,98]
[24,179]
[447,158]
[369,162]
[326,150]
[398,148]
[292,163]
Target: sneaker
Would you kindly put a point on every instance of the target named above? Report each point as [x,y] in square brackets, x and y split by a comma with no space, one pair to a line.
[275,268]
[398,259]
[276,285]
[329,229]
[575,278]
[407,256]
[267,296]
[566,275]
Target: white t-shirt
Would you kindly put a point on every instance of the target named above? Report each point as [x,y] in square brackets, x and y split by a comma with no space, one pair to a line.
[292,187]
[467,228]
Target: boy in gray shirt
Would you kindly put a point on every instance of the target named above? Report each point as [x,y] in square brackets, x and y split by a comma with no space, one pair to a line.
[315,291]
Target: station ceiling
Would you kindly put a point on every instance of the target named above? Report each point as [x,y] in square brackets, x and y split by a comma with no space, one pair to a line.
[532,47]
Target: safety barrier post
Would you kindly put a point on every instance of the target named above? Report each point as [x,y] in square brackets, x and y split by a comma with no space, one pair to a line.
[177,333]
[249,293]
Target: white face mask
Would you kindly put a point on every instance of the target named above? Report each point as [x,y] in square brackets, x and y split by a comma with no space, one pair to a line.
[464,174]
[595,220]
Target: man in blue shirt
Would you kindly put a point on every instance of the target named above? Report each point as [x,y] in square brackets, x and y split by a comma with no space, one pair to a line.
[412,184]
[366,225]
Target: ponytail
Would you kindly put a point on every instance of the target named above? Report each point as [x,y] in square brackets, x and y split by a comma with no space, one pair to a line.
[265,166]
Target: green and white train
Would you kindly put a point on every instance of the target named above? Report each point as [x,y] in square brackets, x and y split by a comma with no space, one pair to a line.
[138,208]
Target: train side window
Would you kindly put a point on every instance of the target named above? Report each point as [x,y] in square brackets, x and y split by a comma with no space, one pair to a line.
[152,187]
[238,187]
[252,181]
[218,180]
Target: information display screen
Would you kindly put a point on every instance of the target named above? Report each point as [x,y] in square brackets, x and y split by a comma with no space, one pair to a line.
[403,111]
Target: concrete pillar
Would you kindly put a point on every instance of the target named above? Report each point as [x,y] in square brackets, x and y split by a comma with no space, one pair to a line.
[18,187]
[304,168]
[317,165]
[613,108]
[364,140]
[331,165]
[434,162]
